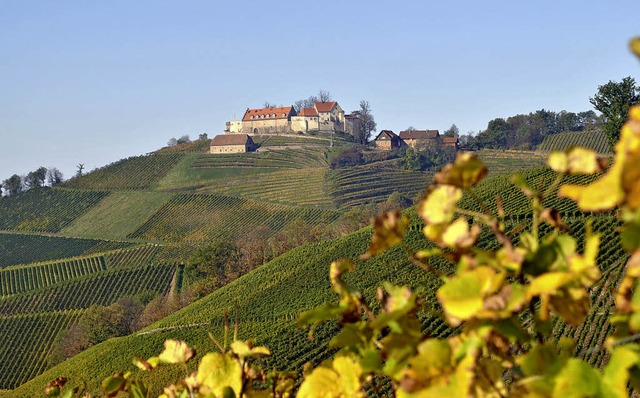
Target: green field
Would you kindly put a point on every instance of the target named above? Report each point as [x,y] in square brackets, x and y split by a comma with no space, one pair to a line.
[118,215]
[24,249]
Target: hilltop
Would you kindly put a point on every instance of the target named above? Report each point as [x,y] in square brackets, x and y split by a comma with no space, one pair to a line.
[128,229]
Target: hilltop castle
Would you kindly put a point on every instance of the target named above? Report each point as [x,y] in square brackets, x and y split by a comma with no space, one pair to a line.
[323,116]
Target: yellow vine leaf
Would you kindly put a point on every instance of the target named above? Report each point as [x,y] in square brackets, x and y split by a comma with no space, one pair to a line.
[463,296]
[439,205]
[575,160]
[217,372]
[339,378]
[634,45]
[458,235]
[466,171]
[176,352]
[389,229]
[618,184]
[244,350]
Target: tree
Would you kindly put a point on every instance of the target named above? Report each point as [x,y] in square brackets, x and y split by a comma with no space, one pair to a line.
[452,131]
[80,169]
[203,136]
[36,178]
[184,139]
[366,124]
[54,176]
[268,104]
[172,142]
[213,266]
[614,100]
[324,96]
[13,185]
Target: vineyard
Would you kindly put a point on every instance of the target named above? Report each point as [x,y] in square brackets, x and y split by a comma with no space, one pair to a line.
[117,215]
[506,161]
[366,184]
[191,217]
[139,172]
[24,249]
[39,301]
[56,208]
[594,139]
[302,187]
[278,158]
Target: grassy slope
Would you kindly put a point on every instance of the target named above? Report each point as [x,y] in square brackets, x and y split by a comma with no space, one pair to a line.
[118,215]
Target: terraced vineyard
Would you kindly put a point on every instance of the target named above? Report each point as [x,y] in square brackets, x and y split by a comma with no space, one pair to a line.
[191,217]
[594,139]
[365,184]
[507,161]
[290,140]
[302,187]
[24,249]
[138,172]
[56,208]
[279,159]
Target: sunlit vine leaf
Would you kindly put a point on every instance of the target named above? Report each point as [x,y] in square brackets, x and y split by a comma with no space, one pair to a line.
[217,371]
[176,352]
[466,171]
[388,231]
[440,204]
[337,378]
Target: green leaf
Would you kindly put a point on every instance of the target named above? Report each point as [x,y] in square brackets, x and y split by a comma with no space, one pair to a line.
[577,380]
[111,385]
[616,373]
[217,371]
[630,236]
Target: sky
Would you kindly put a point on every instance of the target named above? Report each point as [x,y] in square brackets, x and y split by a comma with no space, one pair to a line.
[93,82]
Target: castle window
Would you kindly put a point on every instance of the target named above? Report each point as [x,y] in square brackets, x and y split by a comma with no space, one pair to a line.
[284,114]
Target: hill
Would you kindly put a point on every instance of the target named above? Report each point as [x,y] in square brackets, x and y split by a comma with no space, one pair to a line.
[269,298]
[87,242]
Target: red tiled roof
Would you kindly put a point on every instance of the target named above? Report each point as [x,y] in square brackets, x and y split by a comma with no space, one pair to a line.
[449,139]
[389,134]
[308,112]
[231,139]
[325,106]
[269,113]
[419,134]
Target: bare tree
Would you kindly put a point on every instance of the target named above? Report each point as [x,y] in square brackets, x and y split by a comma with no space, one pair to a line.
[366,124]
[324,96]
[268,104]
[80,170]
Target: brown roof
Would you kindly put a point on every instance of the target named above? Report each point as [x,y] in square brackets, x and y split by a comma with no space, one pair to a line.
[269,113]
[449,139]
[351,116]
[325,106]
[231,139]
[389,134]
[419,134]
[308,112]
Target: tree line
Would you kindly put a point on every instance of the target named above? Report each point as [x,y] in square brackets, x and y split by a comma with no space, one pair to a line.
[521,131]
[34,179]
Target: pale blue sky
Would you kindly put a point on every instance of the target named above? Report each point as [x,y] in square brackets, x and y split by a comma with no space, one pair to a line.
[95,81]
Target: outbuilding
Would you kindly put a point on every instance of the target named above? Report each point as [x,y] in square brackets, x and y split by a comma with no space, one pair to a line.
[232,143]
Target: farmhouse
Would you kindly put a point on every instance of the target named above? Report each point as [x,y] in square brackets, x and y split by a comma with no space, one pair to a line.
[231,143]
[387,140]
[450,142]
[421,139]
